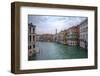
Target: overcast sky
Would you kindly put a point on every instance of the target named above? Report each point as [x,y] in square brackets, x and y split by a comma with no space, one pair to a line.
[49,24]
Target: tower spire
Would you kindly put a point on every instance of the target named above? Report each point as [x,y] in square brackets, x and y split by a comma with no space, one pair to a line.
[56,31]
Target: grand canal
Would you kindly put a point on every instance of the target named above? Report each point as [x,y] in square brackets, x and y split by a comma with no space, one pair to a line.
[52,50]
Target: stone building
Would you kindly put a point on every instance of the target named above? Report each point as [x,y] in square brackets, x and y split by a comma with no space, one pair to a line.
[84,34]
[65,37]
[61,37]
[73,36]
[31,39]
[46,38]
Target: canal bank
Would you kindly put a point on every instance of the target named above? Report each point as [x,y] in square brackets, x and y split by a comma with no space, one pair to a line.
[52,51]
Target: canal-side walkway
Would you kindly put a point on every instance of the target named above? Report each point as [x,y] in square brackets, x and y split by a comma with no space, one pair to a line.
[52,50]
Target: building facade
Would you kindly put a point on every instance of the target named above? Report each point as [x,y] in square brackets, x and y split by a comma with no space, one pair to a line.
[46,38]
[73,36]
[84,34]
[31,39]
[65,36]
[61,37]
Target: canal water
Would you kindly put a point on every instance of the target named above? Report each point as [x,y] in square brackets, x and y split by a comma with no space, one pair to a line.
[52,51]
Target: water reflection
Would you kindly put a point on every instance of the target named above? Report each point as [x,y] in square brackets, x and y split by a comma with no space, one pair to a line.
[51,51]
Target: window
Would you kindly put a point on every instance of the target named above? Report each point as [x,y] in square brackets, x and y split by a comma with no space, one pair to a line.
[29,47]
[33,38]
[30,38]
[33,46]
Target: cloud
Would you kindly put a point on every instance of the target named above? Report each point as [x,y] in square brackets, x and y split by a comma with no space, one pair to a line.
[49,24]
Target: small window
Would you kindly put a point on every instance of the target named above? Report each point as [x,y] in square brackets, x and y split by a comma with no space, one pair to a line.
[29,47]
[30,38]
[33,38]
[33,46]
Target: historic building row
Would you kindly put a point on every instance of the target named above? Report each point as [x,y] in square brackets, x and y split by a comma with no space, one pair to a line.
[75,35]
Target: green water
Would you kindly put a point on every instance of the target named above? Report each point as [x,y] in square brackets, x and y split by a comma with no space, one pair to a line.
[51,51]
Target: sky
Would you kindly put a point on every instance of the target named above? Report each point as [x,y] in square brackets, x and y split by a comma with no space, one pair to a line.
[49,24]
